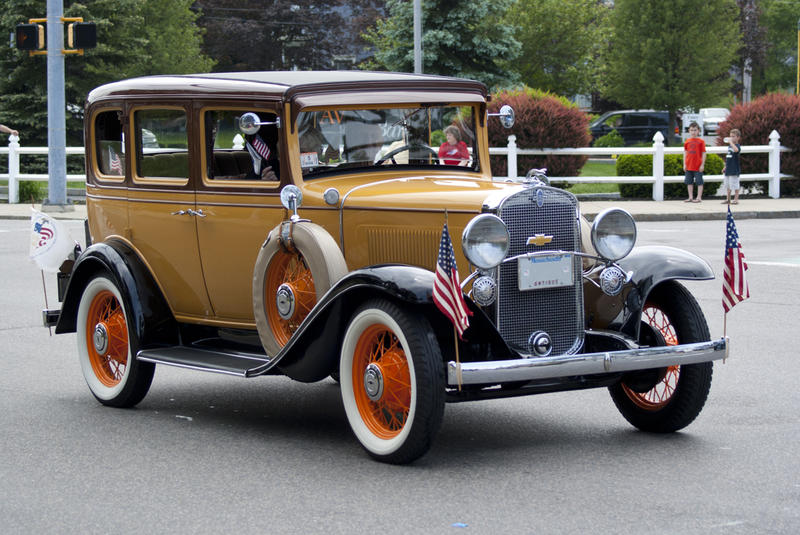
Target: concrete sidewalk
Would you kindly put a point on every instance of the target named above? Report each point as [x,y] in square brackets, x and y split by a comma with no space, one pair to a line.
[641,210]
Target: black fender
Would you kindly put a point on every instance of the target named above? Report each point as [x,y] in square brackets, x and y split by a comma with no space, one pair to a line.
[313,352]
[150,317]
[652,265]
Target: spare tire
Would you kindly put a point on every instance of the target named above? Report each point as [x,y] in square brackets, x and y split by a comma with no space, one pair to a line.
[289,280]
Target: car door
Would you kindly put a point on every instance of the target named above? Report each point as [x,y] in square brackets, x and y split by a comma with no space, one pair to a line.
[162,211]
[238,210]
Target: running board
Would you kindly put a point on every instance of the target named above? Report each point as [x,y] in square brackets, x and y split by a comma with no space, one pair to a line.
[206,360]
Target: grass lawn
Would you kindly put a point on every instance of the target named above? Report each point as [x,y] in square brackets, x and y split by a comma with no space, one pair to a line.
[597,168]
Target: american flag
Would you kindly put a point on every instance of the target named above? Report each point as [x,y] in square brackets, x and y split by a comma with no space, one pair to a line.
[261,147]
[115,164]
[447,293]
[734,283]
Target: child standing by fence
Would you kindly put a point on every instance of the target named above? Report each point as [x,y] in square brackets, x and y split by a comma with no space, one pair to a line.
[694,162]
[732,169]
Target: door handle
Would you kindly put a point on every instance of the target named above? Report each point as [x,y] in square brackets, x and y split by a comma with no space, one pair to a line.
[198,213]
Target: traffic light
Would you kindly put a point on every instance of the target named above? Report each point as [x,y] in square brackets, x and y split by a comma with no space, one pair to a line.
[81,35]
[30,36]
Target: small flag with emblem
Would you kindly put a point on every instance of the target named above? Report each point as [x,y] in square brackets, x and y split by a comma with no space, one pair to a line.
[115,164]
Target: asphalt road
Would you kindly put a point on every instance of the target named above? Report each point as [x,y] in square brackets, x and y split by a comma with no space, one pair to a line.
[212,454]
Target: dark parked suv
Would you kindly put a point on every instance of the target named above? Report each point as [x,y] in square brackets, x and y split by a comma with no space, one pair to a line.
[635,126]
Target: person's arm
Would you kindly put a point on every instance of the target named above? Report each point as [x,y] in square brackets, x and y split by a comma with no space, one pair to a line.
[7,130]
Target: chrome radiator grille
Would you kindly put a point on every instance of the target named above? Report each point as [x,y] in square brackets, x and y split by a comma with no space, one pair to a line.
[556,311]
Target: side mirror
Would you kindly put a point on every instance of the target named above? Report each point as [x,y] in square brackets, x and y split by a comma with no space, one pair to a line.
[249,123]
[506,115]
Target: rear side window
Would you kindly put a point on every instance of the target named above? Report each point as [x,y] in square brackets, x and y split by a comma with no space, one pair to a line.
[162,143]
[109,144]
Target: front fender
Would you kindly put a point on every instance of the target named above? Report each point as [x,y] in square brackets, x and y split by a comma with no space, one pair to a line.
[150,317]
[313,352]
[652,265]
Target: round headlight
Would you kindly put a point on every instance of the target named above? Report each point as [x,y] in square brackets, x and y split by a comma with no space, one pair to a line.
[613,233]
[485,241]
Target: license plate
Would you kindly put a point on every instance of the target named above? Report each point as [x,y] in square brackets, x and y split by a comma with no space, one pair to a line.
[549,271]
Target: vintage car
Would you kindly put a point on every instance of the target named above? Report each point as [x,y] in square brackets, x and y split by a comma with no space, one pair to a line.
[294,223]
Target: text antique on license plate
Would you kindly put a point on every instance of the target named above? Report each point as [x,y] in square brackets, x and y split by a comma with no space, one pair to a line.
[549,271]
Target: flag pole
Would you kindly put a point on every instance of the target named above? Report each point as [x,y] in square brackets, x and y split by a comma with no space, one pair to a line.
[455,333]
[46,305]
[725,337]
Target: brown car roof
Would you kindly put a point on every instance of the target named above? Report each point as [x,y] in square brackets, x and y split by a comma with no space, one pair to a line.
[281,84]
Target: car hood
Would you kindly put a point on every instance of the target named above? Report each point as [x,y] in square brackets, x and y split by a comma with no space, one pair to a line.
[425,193]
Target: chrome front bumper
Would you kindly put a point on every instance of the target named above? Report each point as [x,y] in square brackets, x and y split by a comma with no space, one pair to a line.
[502,371]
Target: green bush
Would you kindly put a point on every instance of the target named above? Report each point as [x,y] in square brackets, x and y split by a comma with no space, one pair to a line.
[542,120]
[31,192]
[642,165]
[612,139]
[756,120]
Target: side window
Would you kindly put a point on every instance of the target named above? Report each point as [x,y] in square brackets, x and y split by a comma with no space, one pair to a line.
[162,145]
[109,144]
[232,155]
[614,121]
[636,119]
[659,120]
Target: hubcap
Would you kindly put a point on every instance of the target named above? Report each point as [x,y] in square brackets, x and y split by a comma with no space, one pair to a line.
[285,301]
[373,382]
[100,339]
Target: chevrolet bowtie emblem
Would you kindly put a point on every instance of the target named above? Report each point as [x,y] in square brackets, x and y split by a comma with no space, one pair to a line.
[539,239]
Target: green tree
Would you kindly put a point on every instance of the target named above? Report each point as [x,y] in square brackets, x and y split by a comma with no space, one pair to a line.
[780,19]
[671,55]
[133,39]
[464,38]
[561,42]
[279,35]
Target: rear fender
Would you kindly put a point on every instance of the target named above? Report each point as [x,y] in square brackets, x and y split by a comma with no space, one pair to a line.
[150,316]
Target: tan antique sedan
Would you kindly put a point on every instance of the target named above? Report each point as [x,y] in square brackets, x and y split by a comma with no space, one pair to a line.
[292,223]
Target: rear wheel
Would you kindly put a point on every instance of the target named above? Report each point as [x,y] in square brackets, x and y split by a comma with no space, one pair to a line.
[392,381]
[669,399]
[105,349]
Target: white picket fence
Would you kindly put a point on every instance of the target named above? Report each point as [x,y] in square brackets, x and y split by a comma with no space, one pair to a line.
[511,151]
[657,150]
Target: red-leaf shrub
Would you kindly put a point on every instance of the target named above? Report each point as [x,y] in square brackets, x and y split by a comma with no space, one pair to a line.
[756,120]
[543,120]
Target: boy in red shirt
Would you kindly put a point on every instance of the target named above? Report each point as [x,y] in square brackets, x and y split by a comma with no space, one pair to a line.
[694,161]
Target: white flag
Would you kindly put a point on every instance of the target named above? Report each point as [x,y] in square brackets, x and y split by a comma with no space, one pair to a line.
[51,243]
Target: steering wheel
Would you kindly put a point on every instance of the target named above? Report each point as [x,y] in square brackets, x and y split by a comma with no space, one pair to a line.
[391,154]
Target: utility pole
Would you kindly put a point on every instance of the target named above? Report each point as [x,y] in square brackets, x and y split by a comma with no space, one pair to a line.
[417,37]
[56,112]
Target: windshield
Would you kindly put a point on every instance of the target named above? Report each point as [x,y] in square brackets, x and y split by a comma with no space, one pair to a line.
[337,139]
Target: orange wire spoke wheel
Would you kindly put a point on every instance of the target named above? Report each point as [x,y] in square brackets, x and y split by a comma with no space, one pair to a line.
[381,381]
[661,394]
[107,338]
[289,293]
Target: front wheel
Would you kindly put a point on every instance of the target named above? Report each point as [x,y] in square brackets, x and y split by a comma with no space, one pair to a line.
[392,381]
[671,398]
[105,348]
